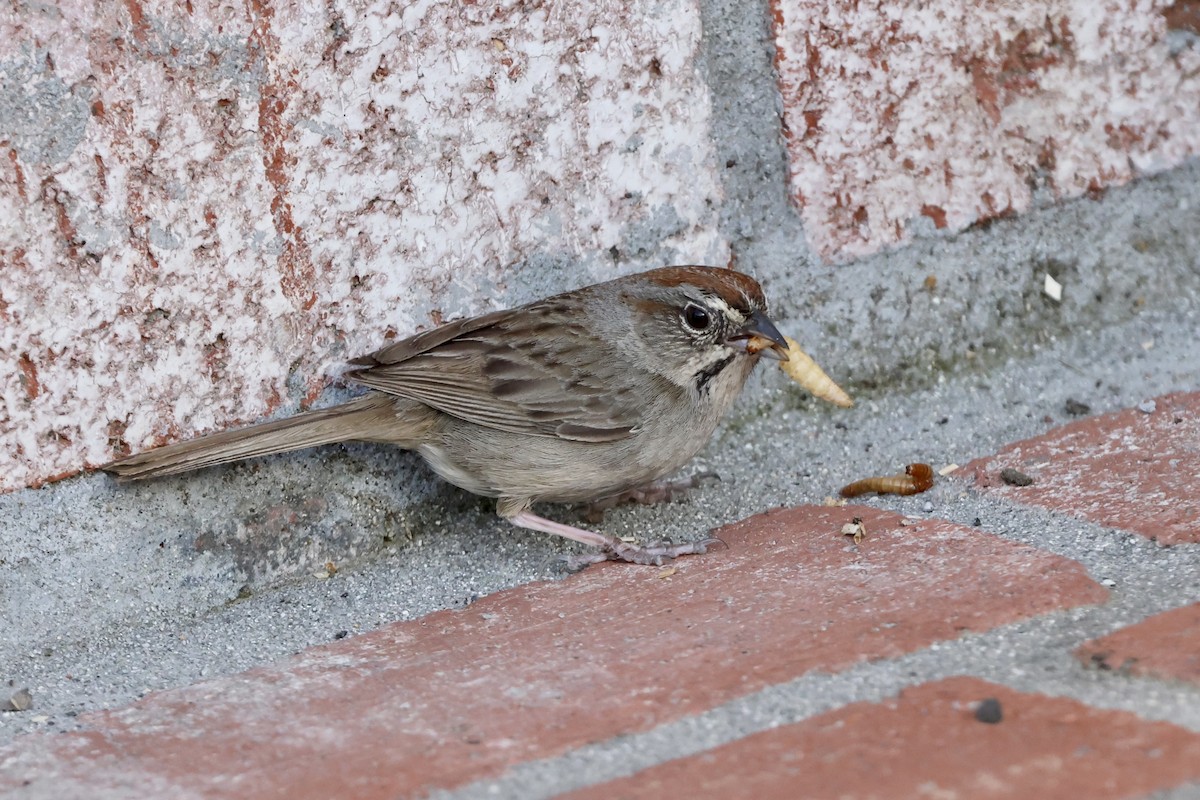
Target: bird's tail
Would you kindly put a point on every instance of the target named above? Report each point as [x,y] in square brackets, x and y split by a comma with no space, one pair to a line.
[373,417]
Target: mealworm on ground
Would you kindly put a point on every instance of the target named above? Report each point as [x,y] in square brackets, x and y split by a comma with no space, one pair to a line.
[915,479]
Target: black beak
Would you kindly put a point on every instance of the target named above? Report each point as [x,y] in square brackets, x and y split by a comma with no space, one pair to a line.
[758,326]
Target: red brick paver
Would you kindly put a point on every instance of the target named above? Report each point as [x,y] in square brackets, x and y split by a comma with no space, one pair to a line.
[928,742]
[1166,645]
[1128,469]
[535,671]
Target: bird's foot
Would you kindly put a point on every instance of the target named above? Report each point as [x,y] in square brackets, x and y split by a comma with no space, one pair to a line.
[609,548]
[655,554]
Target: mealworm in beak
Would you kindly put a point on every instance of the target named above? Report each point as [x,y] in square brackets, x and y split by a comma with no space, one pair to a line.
[804,371]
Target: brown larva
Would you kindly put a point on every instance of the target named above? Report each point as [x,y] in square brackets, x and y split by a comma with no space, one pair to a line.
[916,479]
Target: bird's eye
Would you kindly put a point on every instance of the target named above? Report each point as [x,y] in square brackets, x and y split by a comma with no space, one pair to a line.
[696,317]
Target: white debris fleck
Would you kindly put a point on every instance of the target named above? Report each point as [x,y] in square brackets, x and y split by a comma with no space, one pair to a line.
[1052,288]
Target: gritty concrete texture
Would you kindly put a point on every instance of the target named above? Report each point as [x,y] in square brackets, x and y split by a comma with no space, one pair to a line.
[205,207]
[929,741]
[957,113]
[1138,453]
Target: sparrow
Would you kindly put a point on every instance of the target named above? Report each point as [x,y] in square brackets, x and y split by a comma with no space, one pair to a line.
[573,398]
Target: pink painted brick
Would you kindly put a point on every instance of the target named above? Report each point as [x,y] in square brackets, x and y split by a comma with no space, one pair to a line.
[204,201]
[956,111]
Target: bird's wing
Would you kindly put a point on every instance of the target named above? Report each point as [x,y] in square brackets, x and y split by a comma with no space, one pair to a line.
[515,371]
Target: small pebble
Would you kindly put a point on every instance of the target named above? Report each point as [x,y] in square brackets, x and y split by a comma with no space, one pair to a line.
[989,711]
[20,700]
[1076,408]
[1147,407]
[1014,477]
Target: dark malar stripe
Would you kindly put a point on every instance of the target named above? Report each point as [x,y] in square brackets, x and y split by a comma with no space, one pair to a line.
[706,375]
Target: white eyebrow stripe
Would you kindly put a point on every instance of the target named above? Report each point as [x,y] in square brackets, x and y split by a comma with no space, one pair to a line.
[729,311]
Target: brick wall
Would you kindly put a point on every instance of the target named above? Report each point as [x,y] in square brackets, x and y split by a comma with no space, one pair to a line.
[207,206]
[960,112]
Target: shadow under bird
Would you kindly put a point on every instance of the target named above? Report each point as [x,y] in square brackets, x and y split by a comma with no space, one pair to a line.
[574,398]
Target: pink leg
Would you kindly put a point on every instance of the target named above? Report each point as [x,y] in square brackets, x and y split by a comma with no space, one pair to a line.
[611,548]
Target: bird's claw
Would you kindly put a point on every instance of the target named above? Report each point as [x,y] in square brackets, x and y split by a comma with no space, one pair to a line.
[654,554]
